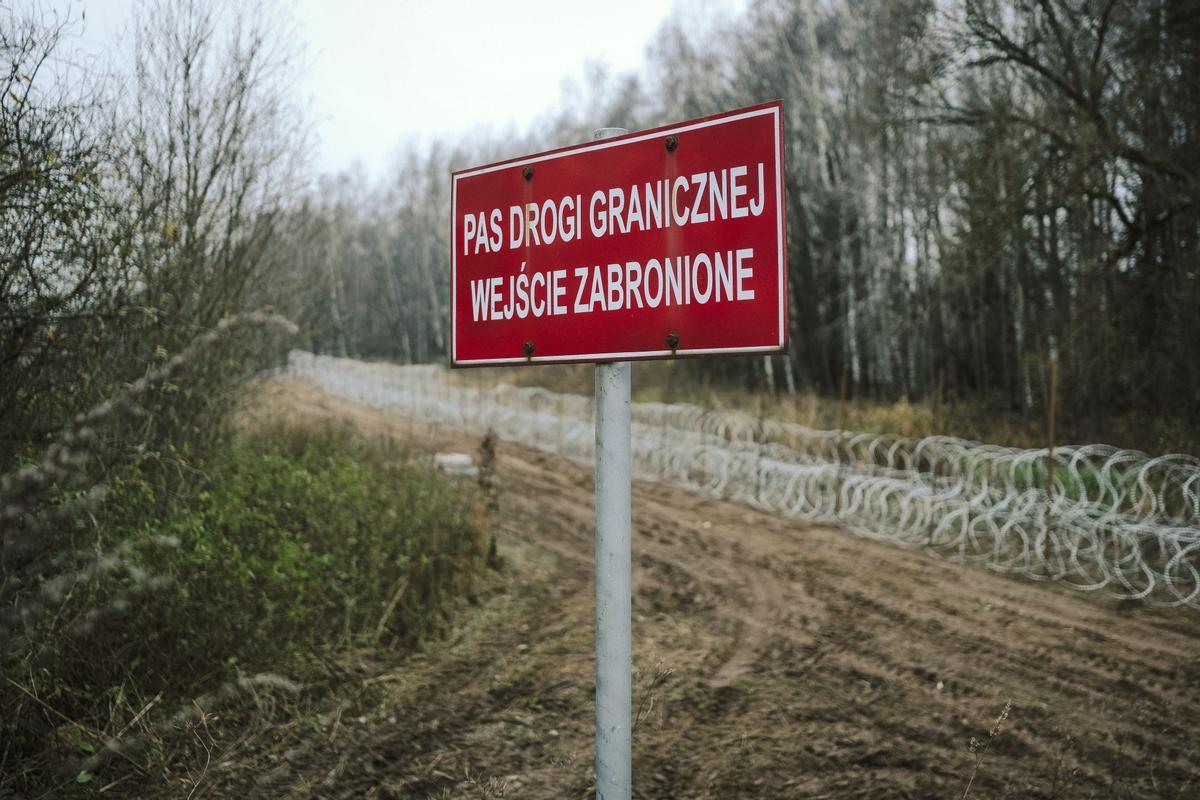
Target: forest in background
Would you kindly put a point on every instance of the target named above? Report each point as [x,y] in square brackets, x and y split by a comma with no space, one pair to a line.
[976,189]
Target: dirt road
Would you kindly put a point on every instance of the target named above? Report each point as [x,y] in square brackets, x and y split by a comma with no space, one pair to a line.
[774,660]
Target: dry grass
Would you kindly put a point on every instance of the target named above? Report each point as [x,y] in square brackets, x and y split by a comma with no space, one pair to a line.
[973,419]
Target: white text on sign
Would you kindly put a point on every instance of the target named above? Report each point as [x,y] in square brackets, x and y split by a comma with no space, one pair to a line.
[686,200]
[683,280]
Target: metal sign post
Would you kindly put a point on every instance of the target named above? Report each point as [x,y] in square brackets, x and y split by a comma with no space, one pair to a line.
[665,243]
[614,575]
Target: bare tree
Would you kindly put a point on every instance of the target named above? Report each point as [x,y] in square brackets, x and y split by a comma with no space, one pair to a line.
[216,144]
[55,224]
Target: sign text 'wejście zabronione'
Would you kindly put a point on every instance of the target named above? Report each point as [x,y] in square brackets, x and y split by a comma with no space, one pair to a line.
[660,243]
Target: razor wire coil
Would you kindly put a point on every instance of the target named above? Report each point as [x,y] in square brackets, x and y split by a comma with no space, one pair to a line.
[1092,517]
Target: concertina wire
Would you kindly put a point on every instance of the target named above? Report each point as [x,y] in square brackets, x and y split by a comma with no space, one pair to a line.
[1108,519]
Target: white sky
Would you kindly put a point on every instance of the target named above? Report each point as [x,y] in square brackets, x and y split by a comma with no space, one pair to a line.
[382,72]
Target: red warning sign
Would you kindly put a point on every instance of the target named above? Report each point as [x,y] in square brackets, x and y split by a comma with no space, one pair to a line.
[661,243]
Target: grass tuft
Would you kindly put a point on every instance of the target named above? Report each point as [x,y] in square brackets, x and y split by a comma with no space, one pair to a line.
[279,548]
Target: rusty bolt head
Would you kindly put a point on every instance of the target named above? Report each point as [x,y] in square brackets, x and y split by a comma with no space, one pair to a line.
[673,341]
[527,348]
[528,173]
[672,143]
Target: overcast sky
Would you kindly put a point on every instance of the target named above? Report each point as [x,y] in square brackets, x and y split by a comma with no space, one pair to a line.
[381,72]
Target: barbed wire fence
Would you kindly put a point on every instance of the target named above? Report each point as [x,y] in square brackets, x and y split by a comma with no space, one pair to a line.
[1092,517]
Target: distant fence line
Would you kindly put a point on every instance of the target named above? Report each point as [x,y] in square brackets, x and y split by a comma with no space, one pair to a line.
[1092,517]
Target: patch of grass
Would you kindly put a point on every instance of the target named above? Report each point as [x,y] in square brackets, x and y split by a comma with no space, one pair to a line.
[302,539]
[284,545]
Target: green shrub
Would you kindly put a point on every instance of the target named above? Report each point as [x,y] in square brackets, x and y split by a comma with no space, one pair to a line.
[317,542]
[284,543]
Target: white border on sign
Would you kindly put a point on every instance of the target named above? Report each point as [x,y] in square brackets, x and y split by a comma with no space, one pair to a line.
[773,110]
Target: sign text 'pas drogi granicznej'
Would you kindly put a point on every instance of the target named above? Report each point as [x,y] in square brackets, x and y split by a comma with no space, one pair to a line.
[661,243]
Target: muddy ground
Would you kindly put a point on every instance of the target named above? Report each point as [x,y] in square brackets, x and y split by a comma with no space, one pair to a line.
[773,660]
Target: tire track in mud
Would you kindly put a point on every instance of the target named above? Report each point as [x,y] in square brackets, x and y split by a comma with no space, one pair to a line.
[810,662]
[1058,644]
[751,608]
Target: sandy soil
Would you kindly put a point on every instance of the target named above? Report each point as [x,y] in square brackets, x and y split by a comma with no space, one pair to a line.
[773,659]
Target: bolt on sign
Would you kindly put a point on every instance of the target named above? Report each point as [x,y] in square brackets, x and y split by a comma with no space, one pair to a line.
[662,243]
